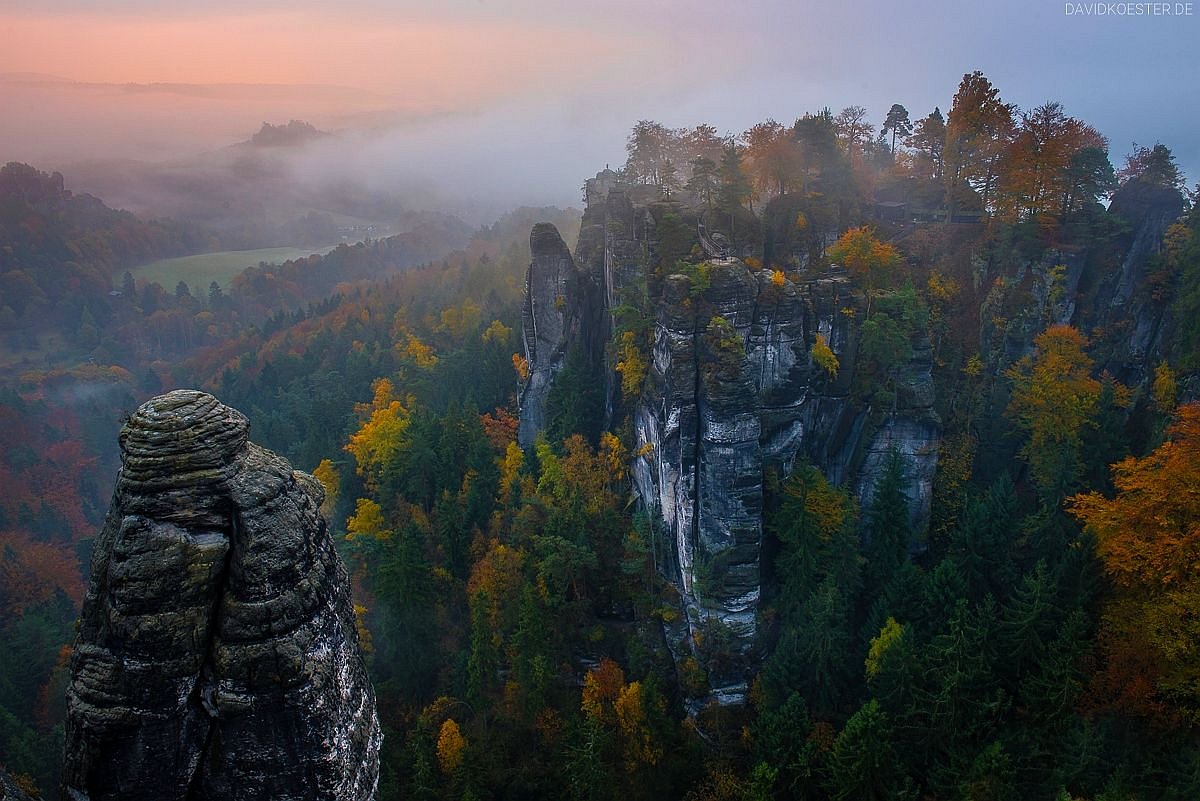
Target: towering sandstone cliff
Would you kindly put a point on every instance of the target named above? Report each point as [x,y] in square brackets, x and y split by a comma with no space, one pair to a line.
[732,390]
[218,656]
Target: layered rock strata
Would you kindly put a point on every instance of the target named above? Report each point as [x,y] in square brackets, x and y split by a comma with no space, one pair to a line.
[217,656]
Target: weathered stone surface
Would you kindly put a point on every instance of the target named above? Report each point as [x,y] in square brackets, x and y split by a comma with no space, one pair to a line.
[547,322]
[9,791]
[217,656]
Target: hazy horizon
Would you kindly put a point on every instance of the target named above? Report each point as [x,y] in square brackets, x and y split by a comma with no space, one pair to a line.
[516,103]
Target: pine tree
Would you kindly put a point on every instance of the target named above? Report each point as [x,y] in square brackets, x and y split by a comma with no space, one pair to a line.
[897,122]
[482,660]
[1028,621]
[405,594]
[981,546]
[890,528]
[735,186]
[530,653]
[863,765]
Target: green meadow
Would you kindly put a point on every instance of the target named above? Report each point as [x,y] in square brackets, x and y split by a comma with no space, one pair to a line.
[202,269]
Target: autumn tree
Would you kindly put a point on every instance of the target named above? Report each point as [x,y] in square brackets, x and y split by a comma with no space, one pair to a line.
[928,139]
[327,474]
[773,159]
[1148,537]
[1036,182]
[870,261]
[978,131]
[450,747]
[380,440]
[1054,396]
[853,131]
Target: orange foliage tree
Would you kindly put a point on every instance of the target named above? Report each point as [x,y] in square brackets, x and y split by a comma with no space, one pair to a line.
[867,259]
[1148,538]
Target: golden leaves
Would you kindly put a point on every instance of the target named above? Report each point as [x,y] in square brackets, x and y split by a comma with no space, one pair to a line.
[451,745]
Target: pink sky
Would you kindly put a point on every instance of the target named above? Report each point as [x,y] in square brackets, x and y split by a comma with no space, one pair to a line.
[441,62]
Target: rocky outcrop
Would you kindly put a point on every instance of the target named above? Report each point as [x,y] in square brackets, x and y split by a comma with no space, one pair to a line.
[722,408]
[217,656]
[732,391]
[9,791]
[913,429]
[550,322]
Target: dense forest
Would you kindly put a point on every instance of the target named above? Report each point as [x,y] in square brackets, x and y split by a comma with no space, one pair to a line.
[1034,637]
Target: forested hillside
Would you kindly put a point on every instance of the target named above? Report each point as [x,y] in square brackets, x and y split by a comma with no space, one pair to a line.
[941,373]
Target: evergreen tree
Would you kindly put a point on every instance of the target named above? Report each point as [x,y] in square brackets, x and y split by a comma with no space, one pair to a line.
[1028,621]
[735,186]
[703,183]
[897,122]
[482,659]
[863,765]
[530,652]
[890,528]
[982,545]
[404,589]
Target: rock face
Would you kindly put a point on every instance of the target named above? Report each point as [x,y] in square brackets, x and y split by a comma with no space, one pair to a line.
[9,791]
[732,390]
[218,656]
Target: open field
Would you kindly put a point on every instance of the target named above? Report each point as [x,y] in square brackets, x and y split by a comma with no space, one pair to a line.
[202,269]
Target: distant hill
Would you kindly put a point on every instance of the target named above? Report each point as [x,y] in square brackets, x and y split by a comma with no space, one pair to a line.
[295,133]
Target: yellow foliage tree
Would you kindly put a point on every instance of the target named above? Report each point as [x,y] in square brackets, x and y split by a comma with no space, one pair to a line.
[868,259]
[510,467]
[367,521]
[889,635]
[498,575]
[639,741]
[1054,396]
[1165,388]
[632,364]
[365,641]
[496,332]
[419,352]
[327,474]
[601,688]
[451,745]
[460,320]
[379,440]
[614,456]
[521,365]
[824,356]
